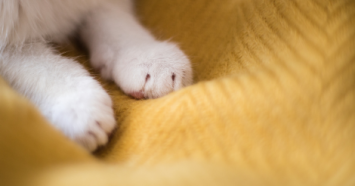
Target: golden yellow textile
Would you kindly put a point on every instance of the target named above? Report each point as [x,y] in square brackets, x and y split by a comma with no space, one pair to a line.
[273,104]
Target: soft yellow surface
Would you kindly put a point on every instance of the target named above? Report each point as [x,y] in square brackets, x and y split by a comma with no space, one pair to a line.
[273,104]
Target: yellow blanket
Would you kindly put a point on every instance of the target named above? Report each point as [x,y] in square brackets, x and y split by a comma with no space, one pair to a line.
[273,104]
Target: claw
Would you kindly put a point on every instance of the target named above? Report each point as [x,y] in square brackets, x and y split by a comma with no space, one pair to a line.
[137,95]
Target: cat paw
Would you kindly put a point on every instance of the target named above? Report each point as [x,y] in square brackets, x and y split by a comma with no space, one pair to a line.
[84,114]
[150,70]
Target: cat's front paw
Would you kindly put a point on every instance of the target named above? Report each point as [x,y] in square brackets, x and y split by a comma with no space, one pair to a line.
[152,70]
[145,70]
[84,114]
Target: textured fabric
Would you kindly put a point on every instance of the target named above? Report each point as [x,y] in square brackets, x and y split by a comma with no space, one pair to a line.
[273,104]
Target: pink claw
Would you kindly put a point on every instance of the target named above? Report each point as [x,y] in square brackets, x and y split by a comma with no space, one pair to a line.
[137,95]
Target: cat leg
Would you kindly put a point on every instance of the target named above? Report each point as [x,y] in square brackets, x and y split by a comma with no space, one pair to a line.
[125,52]
[63,91]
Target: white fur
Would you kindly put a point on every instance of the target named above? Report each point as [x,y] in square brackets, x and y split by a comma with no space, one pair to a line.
[120,48]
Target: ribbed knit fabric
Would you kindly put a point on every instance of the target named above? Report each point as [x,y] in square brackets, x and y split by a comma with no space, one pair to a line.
[273,104]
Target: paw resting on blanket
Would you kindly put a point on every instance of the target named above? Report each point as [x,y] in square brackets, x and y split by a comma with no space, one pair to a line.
[153,71]
[149,70]
[83,113]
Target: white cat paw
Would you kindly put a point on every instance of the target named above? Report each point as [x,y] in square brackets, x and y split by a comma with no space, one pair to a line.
[83,113]
[148,70]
